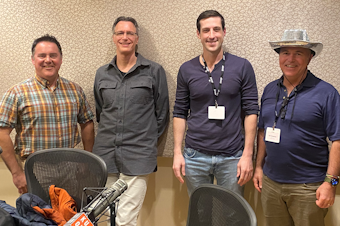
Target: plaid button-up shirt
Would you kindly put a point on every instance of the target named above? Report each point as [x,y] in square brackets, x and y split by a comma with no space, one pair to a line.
[44,117]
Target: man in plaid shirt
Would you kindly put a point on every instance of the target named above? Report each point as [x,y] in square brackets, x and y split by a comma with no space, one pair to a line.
[44,110]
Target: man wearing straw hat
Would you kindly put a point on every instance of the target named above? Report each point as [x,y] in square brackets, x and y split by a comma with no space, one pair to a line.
[295,171]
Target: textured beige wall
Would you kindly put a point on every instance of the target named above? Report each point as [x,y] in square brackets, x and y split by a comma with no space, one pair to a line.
[168,37]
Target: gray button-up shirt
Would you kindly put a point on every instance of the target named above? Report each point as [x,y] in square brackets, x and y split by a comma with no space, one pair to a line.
[132,112]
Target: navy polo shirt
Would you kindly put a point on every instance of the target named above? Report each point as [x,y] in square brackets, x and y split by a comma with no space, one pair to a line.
[302,154]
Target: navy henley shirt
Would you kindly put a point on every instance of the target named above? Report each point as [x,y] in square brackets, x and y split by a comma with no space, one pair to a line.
[194,94]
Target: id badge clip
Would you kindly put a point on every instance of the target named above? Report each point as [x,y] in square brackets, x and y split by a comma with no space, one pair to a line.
[216,112]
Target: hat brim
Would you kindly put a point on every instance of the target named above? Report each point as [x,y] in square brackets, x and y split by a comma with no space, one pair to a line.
[315,46]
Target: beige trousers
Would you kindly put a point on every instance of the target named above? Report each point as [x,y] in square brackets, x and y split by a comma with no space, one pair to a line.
[131,201]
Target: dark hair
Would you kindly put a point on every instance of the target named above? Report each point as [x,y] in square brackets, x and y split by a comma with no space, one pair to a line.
[278,51]
[207,14]
[125,18]
[46,38]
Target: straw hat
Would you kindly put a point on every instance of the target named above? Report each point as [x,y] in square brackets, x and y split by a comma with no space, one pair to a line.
[297,38]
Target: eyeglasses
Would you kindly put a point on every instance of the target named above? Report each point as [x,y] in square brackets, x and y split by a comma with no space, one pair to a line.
[129,34]
[283,109]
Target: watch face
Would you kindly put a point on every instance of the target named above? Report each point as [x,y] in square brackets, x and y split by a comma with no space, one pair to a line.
[334,182]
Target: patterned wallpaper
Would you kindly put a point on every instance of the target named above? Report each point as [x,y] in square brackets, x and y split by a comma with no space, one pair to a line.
[168,36]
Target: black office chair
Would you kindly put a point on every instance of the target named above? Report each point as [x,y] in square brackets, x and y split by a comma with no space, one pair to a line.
[213,205]
[67,168]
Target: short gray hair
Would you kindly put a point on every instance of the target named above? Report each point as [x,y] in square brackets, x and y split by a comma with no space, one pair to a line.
[125,18]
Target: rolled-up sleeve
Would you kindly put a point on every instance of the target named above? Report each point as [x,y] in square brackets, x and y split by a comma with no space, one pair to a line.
[182,103]
[249,90]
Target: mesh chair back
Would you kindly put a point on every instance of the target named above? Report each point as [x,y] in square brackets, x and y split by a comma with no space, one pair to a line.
[212,205]
[67,168]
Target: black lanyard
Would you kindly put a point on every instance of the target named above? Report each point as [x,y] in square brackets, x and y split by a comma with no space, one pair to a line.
[216,91]
[282,111]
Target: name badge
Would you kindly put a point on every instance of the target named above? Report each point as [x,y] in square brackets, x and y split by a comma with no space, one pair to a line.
[216,112]
[273,135]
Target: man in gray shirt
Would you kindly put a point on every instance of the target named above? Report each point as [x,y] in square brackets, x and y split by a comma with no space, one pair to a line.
[132,108]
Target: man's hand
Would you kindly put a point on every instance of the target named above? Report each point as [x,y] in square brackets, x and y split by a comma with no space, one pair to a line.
[257,179]
[19,181]
[179,167]
[244,169]
[325,195]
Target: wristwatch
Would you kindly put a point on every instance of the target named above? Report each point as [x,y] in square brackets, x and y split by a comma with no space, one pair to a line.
[333,180]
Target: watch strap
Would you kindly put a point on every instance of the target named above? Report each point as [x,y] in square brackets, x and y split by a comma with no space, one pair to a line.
[333,181]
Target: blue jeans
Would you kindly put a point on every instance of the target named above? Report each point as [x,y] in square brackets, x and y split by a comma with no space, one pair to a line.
[201,169]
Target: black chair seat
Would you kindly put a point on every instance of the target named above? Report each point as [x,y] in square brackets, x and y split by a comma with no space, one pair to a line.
[213,205]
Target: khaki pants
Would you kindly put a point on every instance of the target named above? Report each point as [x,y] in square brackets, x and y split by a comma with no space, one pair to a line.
[131,201]
[291,204]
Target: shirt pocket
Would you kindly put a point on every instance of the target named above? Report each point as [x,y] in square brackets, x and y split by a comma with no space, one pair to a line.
[108,91]
[141,91]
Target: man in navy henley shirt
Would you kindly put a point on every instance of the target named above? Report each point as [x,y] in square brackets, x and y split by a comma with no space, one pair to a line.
[213,91]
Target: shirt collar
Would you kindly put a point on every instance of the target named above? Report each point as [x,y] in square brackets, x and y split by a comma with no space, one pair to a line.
[44,82]
[140,61]
[309,81]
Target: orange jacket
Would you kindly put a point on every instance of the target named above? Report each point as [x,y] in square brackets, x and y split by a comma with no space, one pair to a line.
[63,206]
